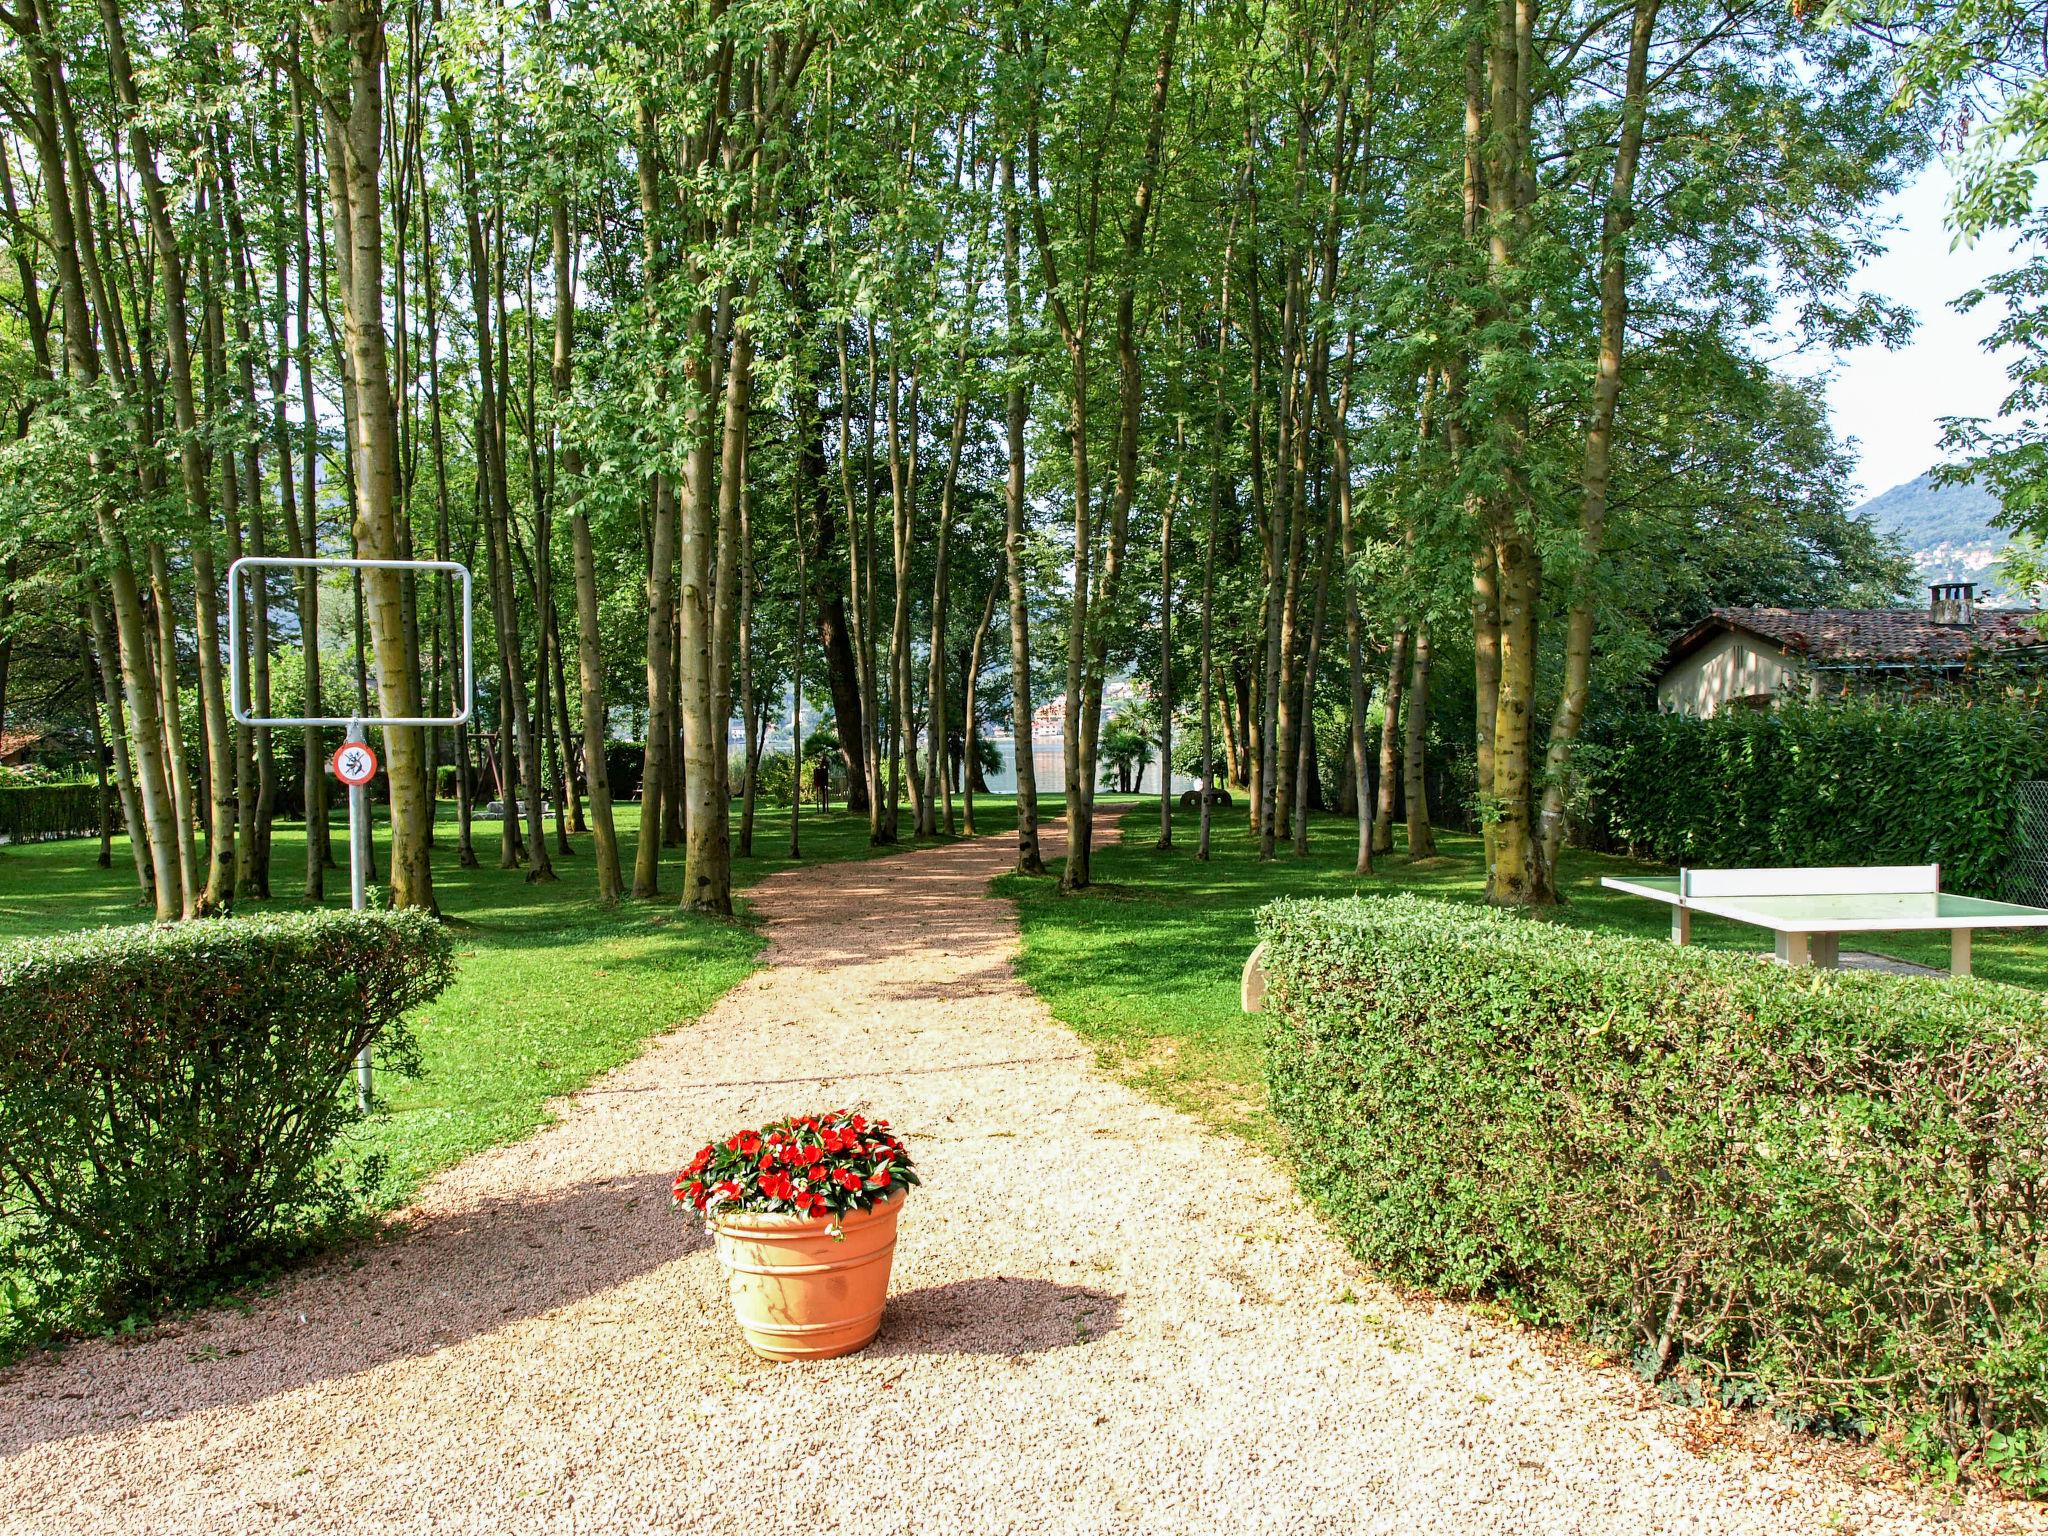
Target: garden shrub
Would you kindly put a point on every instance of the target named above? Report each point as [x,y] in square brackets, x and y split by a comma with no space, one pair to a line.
[623,763]
[34,813]
[1818,1191]
[1859,780]
[777,780]
[170,1097]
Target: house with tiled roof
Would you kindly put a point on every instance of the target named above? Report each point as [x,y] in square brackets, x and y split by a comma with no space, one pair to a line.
[1749,657]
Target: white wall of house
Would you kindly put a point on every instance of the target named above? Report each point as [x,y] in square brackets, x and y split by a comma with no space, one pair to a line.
[1727,668]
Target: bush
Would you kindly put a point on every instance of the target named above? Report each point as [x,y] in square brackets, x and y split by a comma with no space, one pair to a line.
[34,813]
[623,762]
[777,770]
[1823,1192]
[1855,781]
[169,1097]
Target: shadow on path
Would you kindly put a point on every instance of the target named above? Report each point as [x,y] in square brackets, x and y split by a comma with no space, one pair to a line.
[470,1272]
[995,1315]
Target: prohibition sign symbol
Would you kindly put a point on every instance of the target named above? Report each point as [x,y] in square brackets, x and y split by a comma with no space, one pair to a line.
[354,763]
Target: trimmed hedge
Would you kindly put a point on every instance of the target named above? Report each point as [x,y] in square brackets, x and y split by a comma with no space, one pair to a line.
[1822,1192]
[37,813]
[1859,780]
[169,1096]
[623,762]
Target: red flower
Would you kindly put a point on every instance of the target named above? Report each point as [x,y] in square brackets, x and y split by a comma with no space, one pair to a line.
[809,1164]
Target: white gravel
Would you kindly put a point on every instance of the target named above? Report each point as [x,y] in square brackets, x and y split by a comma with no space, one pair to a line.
[1106,1319]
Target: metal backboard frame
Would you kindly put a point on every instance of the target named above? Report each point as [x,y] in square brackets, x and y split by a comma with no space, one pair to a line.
[353,725]
[240,705]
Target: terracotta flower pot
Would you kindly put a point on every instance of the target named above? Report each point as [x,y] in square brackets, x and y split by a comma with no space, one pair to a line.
[802,1294]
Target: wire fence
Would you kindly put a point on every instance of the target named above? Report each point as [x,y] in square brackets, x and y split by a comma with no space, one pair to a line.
[2026,872]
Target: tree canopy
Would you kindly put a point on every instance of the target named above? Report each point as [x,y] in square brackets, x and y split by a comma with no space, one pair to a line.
[925,364]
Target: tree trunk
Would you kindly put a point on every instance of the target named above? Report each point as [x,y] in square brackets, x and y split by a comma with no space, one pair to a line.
[1338,429]
[1616,221]
[194,471]
[75,257]
[1390,737]
[661,614]
[707,597]
[750,765]
[319,845]
[1219,426]
[1306,767]
[107,665]
[255,868]
[938,781]
[358,137]
[1166,646]
[1103,608]
[968,770]
[860,575]
[836,638]
[806,482]
[169,703]
[1514,877]
[903,512]
[1016,408]
[1415,737]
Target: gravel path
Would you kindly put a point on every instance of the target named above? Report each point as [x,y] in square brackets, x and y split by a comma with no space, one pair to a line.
[1105,1319]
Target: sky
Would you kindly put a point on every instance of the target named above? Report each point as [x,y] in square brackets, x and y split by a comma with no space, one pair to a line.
[1891,403]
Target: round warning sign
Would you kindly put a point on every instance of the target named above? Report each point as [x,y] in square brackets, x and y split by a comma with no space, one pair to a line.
[354,763]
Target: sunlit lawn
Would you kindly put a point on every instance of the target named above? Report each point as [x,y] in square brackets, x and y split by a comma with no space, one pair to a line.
[1147,963]
[551,989]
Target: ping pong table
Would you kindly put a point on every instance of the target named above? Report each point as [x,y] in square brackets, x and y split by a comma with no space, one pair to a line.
[1808,910]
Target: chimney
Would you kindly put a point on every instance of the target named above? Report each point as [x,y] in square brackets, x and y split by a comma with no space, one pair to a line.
[1953,602]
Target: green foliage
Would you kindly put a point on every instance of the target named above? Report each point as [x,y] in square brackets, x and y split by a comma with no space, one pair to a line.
[169,1097]
[776,776]
[803,1165]
[554,988]
[1987,61]
[34,813]
[1860,780]
[1126,747]
[1824,1192]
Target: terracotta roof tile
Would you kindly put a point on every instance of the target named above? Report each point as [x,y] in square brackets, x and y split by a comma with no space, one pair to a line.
[1847,635]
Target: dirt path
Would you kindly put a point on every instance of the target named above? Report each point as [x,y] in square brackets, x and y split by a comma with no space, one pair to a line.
[1105,1320]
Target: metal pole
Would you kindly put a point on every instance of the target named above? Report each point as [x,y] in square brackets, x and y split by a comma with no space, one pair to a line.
[358,836]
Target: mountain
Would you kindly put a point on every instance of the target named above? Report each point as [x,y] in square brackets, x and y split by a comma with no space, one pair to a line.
[1947,530]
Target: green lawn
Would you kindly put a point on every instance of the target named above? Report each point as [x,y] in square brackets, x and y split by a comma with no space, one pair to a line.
[1146,964]
[551,988]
